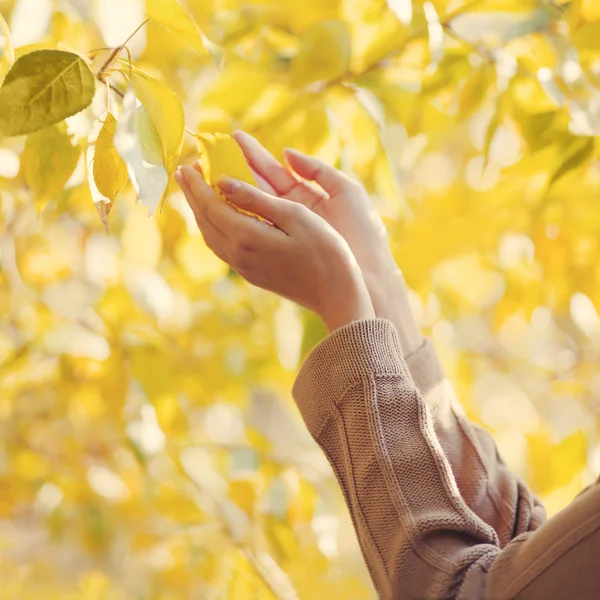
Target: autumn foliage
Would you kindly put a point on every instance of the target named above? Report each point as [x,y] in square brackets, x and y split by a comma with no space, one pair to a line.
[149,446]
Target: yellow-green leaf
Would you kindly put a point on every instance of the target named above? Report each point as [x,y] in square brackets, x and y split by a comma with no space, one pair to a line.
[49,159]
[43,88]
[166,112]
[7,52]
[324,53]
[139,144]
[174,17]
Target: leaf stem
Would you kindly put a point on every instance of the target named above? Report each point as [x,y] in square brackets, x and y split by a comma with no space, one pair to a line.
[118,50]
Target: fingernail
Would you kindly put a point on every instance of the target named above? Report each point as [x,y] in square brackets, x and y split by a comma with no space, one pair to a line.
[177,176]
[229,185]
[198,166]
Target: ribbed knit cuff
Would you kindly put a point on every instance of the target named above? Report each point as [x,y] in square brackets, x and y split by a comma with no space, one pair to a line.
[348,355]
[425,367]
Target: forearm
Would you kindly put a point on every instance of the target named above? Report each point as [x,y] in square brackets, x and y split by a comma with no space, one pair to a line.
[488,486]
[418,536]
[360,403]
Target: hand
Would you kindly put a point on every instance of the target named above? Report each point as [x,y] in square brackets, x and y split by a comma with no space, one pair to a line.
[296,255]
[346,206]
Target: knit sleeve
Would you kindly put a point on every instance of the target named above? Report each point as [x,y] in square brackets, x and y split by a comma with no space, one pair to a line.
[361,405]
[490,489]
[419,538]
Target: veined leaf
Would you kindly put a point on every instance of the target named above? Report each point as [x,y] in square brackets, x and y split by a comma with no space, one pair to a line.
[166,112]
[7,51]
[174,17]
[43,88]
[110,170]
[49,159]
[324,53]
[139,144]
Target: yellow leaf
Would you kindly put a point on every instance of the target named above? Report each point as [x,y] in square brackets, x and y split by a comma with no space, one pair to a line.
[324,53]
[590,9]
[221,156]
[474,92]
[174,17]
[49,159]
[166,113]
[587,37]
[242,491]
[7,52]
[43,88]
[110,170]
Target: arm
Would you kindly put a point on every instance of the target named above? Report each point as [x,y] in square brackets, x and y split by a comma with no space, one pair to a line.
[490,489]
[417,534]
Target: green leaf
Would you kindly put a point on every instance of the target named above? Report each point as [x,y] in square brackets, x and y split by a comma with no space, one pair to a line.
[7,52]
[139,144]
[49,159]
[43,88]
[174,17]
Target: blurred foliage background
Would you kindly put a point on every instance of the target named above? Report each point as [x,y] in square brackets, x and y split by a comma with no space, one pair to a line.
[149,446]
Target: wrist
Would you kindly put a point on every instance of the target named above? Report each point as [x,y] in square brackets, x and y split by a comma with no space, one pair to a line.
[353,304]
[389,295]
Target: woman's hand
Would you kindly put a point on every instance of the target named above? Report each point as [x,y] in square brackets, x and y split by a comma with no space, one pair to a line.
[298,256]
[346,206]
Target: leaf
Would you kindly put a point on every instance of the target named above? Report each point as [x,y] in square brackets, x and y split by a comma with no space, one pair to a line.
[49,159]
[139,144]
[324,53]
[495,122]
[402,9]
[174,17]
[587,37]
[43,88]
[110,171]
[7,52]
[474,92]
[221,156]
[166,112]
[579,151]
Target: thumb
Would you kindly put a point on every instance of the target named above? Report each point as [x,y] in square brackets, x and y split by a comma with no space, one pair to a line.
[332,180]
[247,197]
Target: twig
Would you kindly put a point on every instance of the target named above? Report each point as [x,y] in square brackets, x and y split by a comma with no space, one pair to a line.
[118,50]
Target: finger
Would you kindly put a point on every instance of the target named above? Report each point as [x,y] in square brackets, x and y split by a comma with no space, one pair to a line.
[205,204]
[278,211]
[265,164]
[263,184]
[332,180]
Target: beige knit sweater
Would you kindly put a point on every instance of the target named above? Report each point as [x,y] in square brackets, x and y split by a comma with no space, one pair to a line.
[436,511]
